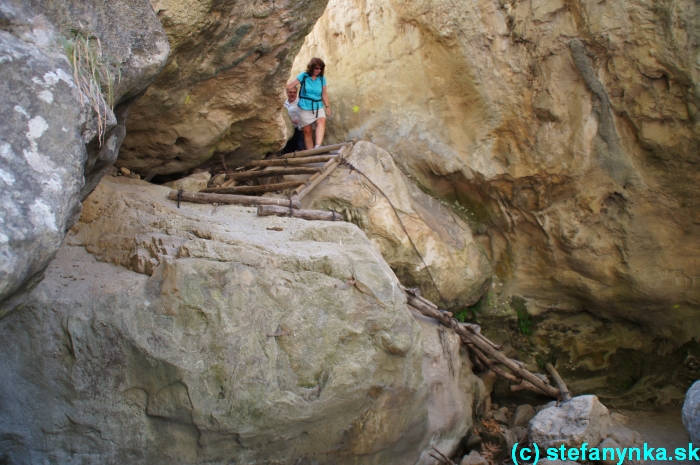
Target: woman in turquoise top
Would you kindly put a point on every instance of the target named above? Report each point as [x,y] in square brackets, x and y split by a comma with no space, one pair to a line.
[313,101]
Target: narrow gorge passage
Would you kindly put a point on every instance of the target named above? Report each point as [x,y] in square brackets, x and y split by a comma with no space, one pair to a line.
[526,167]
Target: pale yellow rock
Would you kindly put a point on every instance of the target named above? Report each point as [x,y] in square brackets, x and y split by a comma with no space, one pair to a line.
[454,260]
[207,334]
[192,183]
[221,93]
[567,132]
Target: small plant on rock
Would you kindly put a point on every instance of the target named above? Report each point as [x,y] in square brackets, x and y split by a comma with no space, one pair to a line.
[489,452]
[93,75]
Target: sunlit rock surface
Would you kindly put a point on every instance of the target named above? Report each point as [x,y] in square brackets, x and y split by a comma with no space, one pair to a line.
[207,334]
[452,268]
[567,134]
[221,92]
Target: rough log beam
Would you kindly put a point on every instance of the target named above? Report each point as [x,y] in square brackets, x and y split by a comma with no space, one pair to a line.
[198,197]
[478,342]
[291,161]
[251,189]
[318,215]
[314,181]
[565,393]
[310,152]
[242,175]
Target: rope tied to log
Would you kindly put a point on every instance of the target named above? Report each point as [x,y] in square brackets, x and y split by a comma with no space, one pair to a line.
[352,167]
[290,207]
[179,197]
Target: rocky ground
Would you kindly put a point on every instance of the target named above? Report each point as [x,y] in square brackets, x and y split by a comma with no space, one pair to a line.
[529,165]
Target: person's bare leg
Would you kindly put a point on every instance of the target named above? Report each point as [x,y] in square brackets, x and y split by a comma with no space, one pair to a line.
[308,137]
[320,130]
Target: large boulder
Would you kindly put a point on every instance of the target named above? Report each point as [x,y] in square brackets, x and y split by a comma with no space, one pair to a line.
[582,420]
[206,334]
[220,97]
[691,413]
[449,266]
[54,145]
[454,389]
[568,133]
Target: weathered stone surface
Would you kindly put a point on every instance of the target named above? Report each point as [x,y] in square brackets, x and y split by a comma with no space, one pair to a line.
[474,458]
[623,436]
[522,416]
[220,95]
[42,150]
[203,335]
[50,154]
[133,43]
[500,417]
[453,389]
[568,132]
[192,183]
[608,452]
[455,261]
[583,419]
[691,413]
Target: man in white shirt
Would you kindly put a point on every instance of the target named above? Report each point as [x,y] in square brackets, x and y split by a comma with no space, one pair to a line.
[297,140]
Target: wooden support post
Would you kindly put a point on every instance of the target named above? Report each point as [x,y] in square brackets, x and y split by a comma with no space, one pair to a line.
[291,161]
[565,393]
[320,150]
[251,189]
[328,169]
[478,341]
[315,180]
[198,197]
[320,215]
[243,175]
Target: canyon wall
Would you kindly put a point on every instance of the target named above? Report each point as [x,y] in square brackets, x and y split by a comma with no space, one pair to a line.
[58,135]
[567,134]
[220,96]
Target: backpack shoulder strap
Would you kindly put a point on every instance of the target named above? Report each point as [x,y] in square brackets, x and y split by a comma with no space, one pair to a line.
[303,84]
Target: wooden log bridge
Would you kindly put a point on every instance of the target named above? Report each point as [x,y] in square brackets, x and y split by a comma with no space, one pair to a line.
[288,164]
[198,197]
[319,215]
[270,172]
[318,151]
[292,161]
[482,349]
[262,188]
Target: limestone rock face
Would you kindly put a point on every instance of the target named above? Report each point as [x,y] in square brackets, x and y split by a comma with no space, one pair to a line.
[192,183]
[456,262]
[221,92]
[583,419]
[50,150]
[691,413]
[568,132]
[133,45]
[453,389]
[210,335]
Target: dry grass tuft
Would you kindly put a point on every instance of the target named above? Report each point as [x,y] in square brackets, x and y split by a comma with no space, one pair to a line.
[93,75]
[489,451]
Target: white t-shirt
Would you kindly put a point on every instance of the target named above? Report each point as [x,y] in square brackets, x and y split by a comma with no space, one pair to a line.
[293,109]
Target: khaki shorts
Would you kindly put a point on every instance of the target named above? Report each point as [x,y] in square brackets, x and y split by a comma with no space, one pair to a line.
[307,117]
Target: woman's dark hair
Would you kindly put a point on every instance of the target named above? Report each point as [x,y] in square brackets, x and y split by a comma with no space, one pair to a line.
[314,63]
